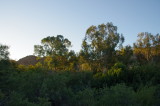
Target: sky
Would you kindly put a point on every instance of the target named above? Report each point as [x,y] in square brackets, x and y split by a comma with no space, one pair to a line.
[23,23]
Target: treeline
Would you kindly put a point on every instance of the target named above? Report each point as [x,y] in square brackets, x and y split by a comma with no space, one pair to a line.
[101,49]
[103,73]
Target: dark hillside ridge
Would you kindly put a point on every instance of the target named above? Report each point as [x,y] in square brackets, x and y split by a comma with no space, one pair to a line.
[28,60]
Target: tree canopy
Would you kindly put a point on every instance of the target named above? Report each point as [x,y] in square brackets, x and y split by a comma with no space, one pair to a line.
[147,47]
[4,54]
[100,43]
[52,46]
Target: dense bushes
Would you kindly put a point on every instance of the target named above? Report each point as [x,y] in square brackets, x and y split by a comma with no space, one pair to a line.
[32,86]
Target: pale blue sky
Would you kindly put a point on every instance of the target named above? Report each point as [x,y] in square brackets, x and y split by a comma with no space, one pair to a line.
[23,23]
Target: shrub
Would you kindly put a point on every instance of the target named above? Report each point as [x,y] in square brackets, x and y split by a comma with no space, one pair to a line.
[120,95]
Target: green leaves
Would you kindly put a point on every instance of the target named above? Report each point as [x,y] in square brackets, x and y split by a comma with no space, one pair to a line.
[120,95]
[51,46]
[4,52]
[100,43]
[54,51]
[147,47]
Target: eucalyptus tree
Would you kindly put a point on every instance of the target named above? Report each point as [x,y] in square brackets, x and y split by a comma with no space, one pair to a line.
[55,51]
[4,54]
[99,45]
[52,46]
[147,47]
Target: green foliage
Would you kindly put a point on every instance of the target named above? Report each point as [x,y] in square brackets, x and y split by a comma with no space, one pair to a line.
[55,55]
[35,87]
[99,45]
[52,46]
[7,70]
[54,87]
[147,48]
[116,69]
[145,96]
[2,97]
[125,55]
[4,52]
[85,97]
[120,95]
[17,99]
[43,102]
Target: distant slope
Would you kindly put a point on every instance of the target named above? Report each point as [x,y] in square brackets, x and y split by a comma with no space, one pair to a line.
[28,60]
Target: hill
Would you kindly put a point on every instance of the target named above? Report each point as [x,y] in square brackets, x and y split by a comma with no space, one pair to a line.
[28,60]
